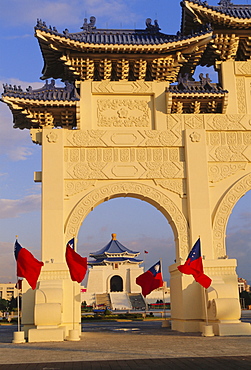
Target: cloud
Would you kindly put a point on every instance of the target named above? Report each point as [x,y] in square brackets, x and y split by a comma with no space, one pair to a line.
[10,208]
[7,263]
[65,13]
[14,143]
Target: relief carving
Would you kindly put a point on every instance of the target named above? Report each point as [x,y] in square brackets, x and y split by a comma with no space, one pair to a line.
[75,187]
[243,68]
[100,163]
[85,138]
[52,137]
[218,172]
[177,186]
[228,122]
[111,87]
[193,121]
[241,94]
[123,113]
[195,137]
[223,212]
[141,191]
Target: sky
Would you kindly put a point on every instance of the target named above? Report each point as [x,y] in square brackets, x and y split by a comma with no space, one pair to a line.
[138,225]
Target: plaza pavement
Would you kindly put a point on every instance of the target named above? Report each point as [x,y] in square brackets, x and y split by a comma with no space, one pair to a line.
[127,345]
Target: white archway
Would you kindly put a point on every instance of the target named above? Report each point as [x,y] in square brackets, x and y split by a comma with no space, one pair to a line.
[150,194]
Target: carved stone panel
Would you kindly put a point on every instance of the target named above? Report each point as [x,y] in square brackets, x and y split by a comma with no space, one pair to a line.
[122,112]
[103,163]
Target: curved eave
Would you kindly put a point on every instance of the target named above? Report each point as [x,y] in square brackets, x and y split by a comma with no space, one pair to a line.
[105,262]
[56,42]
[12,100]
[203,14]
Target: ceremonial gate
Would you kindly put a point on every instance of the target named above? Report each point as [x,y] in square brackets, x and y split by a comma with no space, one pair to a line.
[132,122]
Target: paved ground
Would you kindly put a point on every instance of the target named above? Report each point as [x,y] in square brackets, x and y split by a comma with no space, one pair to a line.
[127,345]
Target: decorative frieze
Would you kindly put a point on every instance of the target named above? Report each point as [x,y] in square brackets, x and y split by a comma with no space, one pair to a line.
[229,146]
[122,87]
[100,163]
[101,138]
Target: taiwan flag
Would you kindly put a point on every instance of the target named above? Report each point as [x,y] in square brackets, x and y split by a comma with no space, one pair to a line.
[28,266]
[77,265]
[151,279]
[193,266]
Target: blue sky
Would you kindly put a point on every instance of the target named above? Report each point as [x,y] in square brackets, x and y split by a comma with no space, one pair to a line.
[138,225]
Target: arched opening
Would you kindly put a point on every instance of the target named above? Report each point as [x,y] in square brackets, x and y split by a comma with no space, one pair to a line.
[238,236]
[139,226]
[116,284]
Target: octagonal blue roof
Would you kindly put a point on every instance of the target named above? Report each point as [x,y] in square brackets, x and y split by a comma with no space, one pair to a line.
[113,247]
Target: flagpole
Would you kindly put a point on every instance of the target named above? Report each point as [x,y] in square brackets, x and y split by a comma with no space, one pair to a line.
[18,309]
[164,323]
[205,300]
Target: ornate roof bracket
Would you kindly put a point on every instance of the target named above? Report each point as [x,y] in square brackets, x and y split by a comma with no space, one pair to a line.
[98,54]
[196,97]
[47,106]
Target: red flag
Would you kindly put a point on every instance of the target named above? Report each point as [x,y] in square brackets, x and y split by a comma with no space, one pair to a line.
[28,266]
[151,279]
[76,264]
[145,252]
[193,266]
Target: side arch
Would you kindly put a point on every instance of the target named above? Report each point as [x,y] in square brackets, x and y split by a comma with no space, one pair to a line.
[224,211]
[144,192]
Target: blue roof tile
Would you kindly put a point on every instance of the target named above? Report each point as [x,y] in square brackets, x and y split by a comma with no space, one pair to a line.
[113,247]
[92,35]
[227,7]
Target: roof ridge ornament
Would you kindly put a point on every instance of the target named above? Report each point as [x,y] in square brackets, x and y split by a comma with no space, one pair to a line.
[225,3]
[47,92]
[89,26]
[152,27]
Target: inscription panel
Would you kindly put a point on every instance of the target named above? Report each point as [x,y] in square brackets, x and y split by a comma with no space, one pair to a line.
[123,112]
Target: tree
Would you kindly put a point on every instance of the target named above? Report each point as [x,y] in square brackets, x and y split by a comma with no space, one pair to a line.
[4,305]
[247,297]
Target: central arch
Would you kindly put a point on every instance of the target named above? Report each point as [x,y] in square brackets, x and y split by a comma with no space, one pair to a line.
[144,192]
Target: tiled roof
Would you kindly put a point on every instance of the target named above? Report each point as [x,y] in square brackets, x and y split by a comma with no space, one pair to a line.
[92,35]
[48,92]
[227,7]
[203,86]
[113,247]
[114,259]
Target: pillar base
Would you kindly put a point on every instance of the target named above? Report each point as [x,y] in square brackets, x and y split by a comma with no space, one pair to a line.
[46,335]
[226,329]
[18,337]
[186,326]
[207,331]
[166,324]
[73,335]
